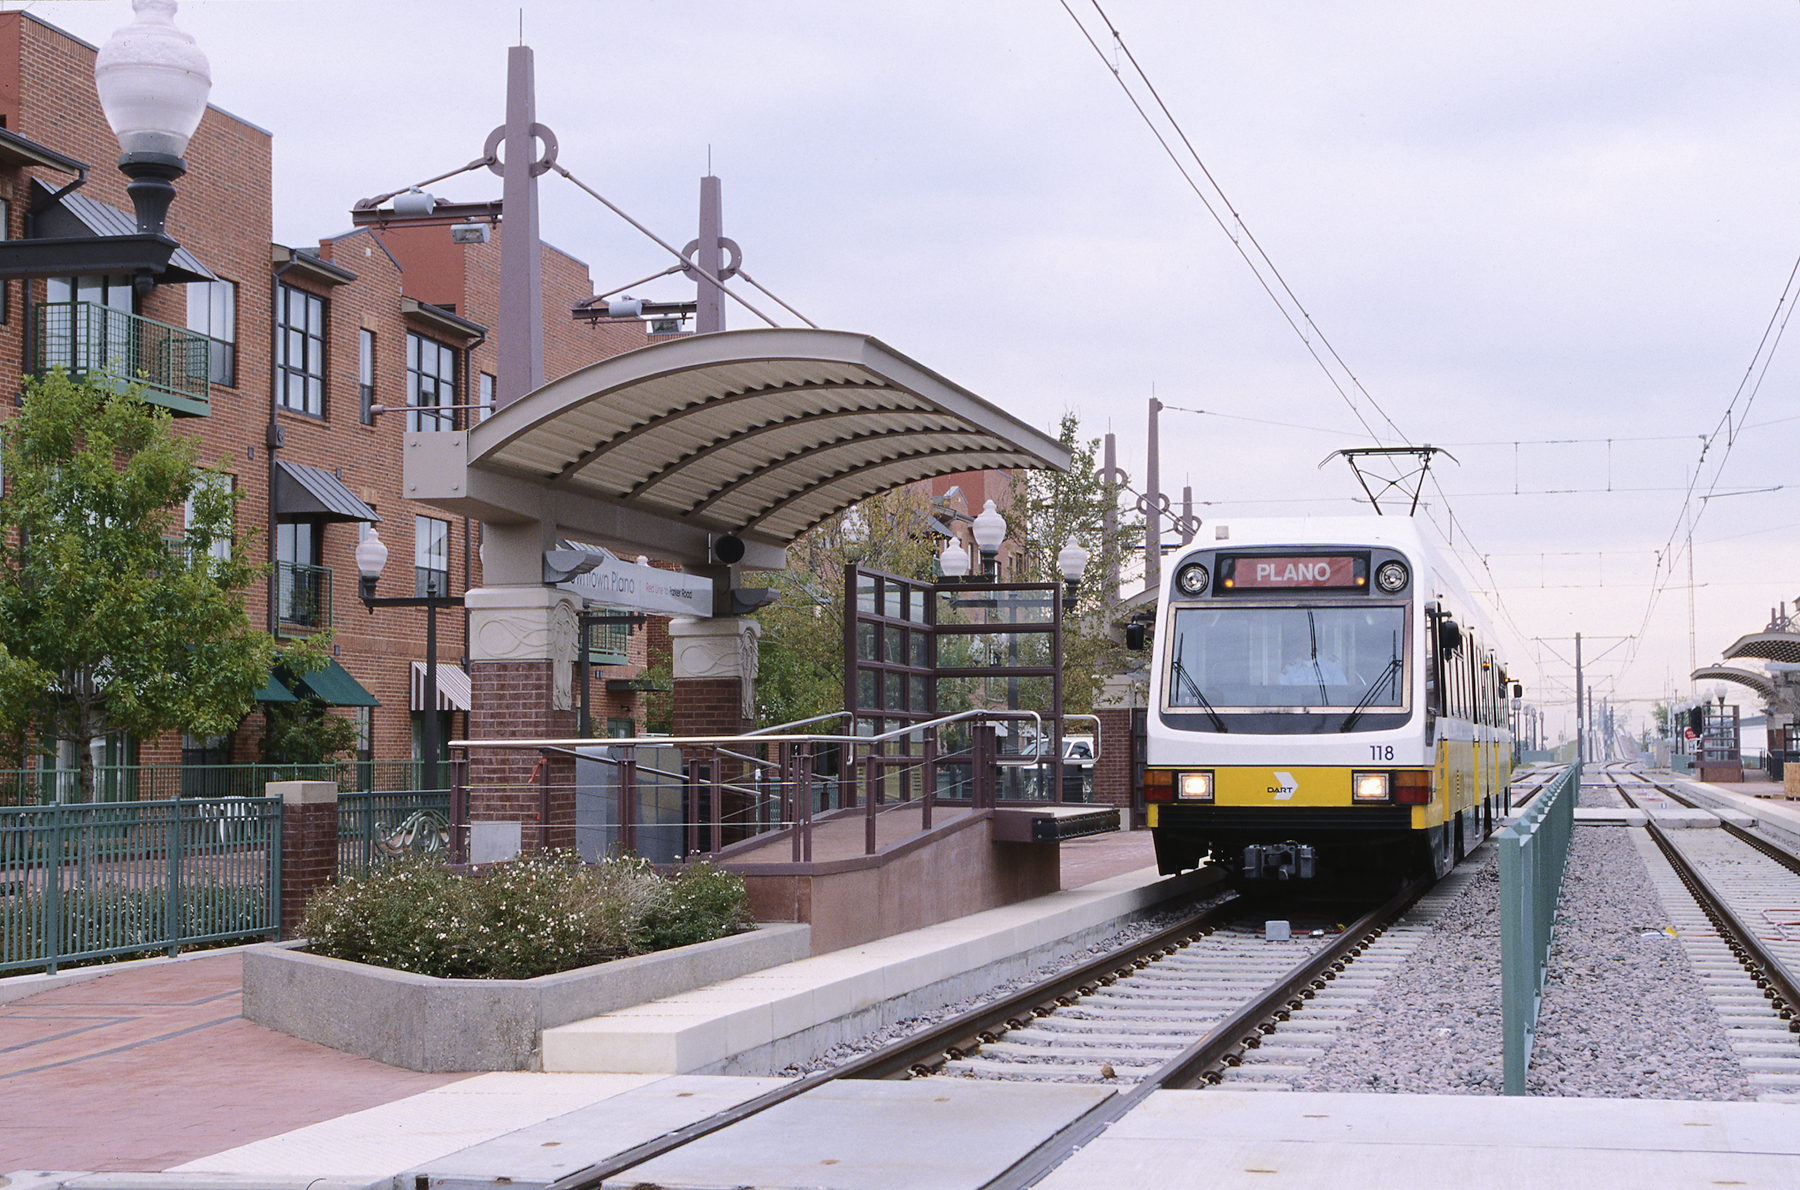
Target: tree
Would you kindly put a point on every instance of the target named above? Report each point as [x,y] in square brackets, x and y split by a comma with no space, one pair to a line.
[1049,509]
[123,625]
[800,659]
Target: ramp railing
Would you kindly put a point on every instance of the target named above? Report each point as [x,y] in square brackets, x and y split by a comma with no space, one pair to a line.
[672,798]
[1534,853]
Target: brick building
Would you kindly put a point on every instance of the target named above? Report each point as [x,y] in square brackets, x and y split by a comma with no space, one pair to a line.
[305,344]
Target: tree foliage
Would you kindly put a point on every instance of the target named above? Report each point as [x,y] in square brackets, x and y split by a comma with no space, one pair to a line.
[800,660]
[1048,510]
[113,623]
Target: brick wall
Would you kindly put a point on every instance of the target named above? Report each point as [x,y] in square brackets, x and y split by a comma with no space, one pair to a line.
[1112,772]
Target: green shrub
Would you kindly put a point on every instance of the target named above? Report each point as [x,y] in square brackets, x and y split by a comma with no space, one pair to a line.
[532,916]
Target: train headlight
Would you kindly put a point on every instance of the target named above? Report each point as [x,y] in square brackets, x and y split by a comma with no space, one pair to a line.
[1192,579]
[1194,787]
[1370,787]
[1391,577]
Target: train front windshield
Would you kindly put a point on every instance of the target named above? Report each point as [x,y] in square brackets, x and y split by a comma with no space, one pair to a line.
[1288,658]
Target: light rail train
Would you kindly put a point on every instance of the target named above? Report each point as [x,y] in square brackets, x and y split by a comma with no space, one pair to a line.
[1324,700]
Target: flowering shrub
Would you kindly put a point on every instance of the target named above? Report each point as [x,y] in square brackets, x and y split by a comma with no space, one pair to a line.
[531,916]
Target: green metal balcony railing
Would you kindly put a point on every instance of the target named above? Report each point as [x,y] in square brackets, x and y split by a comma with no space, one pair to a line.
[303,594]
[158,782]
[86,339]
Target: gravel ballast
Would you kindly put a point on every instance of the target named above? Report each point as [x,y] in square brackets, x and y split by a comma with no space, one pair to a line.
[1623,1014]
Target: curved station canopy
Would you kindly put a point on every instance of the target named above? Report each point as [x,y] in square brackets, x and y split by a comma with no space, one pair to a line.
[1727,673]
[757,433]
[1767,646]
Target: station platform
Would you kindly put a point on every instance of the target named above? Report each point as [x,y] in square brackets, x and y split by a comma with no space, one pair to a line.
[957,1134]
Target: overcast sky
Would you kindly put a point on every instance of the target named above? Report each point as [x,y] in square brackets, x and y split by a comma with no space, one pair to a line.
[1513,223]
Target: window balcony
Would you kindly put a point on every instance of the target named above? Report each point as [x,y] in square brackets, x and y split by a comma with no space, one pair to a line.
[303,597]
[609,644]
[86,339]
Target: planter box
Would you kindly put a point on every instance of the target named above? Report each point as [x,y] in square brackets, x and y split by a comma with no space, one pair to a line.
[421,1022]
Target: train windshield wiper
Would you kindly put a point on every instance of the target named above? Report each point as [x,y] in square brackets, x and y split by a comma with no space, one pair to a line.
[1180,674]
[1387,675]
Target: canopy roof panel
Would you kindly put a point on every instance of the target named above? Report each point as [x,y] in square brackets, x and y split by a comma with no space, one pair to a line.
[762,433]
[1755,681]
[1768,646]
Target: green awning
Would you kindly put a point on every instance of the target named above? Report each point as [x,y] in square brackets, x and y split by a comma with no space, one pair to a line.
[274,691]
[334,687]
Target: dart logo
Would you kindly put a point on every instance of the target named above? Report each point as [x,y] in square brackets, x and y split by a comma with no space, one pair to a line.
[1284,787]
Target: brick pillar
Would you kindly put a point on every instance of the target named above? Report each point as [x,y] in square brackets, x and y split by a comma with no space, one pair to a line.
[522,646]
[309,844]
[1112,772]
[714,664]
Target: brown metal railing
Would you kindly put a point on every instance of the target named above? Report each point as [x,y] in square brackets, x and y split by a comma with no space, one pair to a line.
[672,798]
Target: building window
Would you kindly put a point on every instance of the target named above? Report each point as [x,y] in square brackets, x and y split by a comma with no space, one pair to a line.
[365,373]
[303,587]
[5,234]
[300,351]
[487,397]
[219,547]
[431,556]
[212,311]
[430,384]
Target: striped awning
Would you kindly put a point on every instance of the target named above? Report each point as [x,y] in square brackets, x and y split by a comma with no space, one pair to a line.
[453,688]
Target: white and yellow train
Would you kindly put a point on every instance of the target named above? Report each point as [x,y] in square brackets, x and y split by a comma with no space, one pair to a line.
[1324,698]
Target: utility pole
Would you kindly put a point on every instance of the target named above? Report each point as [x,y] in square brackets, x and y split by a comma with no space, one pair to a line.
[1580,721]
[1152,507]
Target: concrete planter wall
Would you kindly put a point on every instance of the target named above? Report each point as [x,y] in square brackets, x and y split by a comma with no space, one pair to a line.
[421,1022]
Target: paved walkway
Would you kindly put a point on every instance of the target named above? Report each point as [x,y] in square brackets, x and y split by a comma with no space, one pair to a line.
[151,1066]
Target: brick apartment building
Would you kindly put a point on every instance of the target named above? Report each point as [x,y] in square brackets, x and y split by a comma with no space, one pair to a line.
[303,343]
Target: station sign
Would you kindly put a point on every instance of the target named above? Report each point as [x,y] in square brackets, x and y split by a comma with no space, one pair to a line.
[614,582]
[1334,572]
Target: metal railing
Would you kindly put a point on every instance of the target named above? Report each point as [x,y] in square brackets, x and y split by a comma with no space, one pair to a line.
[87,339]
[85,882]
[377,827]
[1534,852]
[672,797]
[303,593]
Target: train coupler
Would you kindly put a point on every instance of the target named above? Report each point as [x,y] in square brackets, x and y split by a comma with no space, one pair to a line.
[1278,861]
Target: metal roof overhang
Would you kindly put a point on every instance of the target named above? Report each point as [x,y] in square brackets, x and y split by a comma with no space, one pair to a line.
[1757,682]
[759,433]
[1768,646]
[313,493]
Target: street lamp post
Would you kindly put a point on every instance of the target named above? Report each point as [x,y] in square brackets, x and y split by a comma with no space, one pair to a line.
[371,556]
[153,82]
[989,528]
[1071,561]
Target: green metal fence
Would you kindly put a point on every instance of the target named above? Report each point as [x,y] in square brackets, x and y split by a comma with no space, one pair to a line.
[156,782]
[376,827]
[83,882]
[1533,854]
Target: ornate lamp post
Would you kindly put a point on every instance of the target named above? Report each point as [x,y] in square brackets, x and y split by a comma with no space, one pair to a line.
[1071,562]
[153,83]
[990,530]
[371,556]
[954,561]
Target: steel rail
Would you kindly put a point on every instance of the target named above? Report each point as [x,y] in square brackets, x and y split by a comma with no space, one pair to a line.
[1201,1062]
[1785,858]
[907,1056]
[1768,972]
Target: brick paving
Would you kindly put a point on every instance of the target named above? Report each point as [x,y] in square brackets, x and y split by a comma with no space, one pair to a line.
[152,1066]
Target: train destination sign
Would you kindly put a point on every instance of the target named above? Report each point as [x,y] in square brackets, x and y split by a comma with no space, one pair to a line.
[1297,573]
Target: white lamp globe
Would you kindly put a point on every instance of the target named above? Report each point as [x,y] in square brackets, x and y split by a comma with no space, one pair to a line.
[990,528]
[153,82]
[954,561]
[1071,561]
[371,555]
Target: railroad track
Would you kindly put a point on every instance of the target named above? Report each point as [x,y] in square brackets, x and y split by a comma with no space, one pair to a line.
[1734,901]
[1229,1040]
